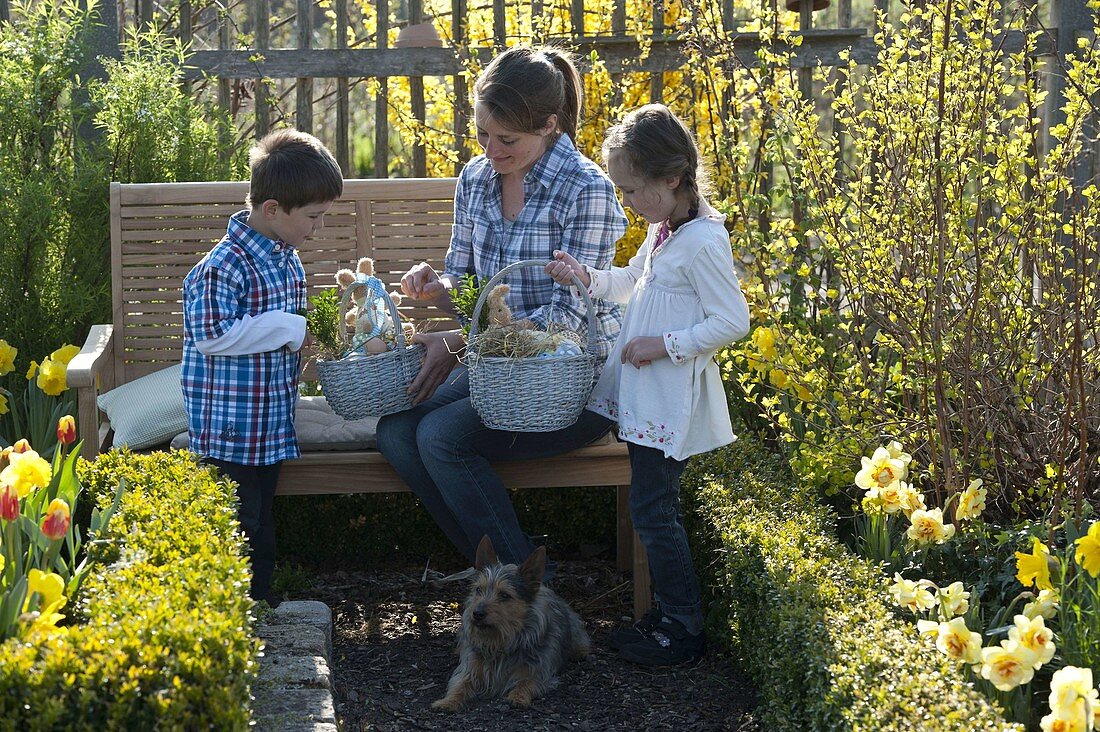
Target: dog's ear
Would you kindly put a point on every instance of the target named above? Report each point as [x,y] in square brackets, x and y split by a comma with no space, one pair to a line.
[486,555]
[534,566]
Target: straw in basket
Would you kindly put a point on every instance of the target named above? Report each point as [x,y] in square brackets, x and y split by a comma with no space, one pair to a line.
[360,385]
[530,394]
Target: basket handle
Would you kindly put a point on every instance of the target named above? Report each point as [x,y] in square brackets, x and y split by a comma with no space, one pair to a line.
[395,316]
[534,263]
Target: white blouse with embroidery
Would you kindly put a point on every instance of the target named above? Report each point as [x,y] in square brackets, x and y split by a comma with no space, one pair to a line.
[687,293]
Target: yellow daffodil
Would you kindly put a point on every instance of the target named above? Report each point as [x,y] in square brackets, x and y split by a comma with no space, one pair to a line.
[1033,634]
[928,527]
[1087,553]
[64,354]
[880,469]
[32,370]
[897,452]
[50,588]
[7,357]
[51,377]
[913,500]
[1073,698]
[954,599]
[914,596]
[1034,568]
[928,628]
[25,472]
[958,642]
[4,409]
[1044,606]
[1008,665]
[971,501]
[1054,723]
[891,498]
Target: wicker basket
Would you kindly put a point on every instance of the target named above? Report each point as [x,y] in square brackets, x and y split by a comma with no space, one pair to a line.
[530,394]
[360,385]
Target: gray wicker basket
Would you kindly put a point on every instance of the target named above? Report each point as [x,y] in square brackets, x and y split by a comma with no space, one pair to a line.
[359,385]
[530,394]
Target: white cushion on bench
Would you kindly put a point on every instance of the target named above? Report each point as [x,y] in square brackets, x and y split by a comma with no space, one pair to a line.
[146,411]
[319,428]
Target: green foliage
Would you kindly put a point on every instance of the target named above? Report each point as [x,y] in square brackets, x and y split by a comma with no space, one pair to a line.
[323,323]
[464,298]
[810,619]
[165,640]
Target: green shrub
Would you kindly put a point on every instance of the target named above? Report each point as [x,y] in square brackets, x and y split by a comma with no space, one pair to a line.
[164,638]
[811,620]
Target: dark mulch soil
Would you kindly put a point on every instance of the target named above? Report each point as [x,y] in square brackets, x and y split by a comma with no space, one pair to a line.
[393,648]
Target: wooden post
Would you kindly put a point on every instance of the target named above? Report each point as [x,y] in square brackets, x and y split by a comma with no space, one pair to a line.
[304,112]
[224,89]
[145,14]
[102,42]
[186,36]
[261,23]
[500,25]
[5,11]
[416,101]
[461,92]
[657,79]
[618,29]
[576,18]
[382,103]
[343,141]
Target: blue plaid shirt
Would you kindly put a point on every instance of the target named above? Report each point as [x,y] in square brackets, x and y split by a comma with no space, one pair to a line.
[241,408]
[569,204]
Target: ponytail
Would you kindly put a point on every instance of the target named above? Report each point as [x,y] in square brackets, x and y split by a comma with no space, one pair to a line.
[573,91]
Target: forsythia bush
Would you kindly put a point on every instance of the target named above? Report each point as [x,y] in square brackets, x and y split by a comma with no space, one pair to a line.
[164,638]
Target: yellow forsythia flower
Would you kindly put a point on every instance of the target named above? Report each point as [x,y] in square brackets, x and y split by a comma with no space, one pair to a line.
[1008,665]
[1034,568]
[1034,635]
[1045,605]
[1072,698]
[958,642]
[51,377]
[25,472]
[7,357]
[928,527]
[50,588]
[880,469]
[1087,553]
[64,354]
[971,501]
[764,340]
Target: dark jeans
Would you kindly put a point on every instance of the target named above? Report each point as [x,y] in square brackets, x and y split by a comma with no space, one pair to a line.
[655,511]
[442,451]
[256,499]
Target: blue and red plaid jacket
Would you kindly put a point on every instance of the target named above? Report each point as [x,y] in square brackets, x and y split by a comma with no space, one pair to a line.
[241,408]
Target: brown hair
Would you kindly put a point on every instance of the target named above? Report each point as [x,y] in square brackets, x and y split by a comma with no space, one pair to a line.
[523,86]
[659,145]
[293,168]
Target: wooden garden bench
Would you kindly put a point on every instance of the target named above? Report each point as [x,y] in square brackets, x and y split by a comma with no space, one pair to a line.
[160,230]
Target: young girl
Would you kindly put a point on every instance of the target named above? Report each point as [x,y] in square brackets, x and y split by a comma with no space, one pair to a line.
[660,382]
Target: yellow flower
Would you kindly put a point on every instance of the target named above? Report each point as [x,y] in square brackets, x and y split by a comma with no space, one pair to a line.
[64,354]
[913,500]
[929,628]
[928,527]
[764,340]
[51,377]
[32,370]
[1034,635]
[1073,698]
[880,469]
[911,595]
[50,588]
[7,357]
[1045,606]
[779,378]
[2,563]
[897,452]
[954,599]
[1034,568]
[971,501]
[1008,665]
[25,472]
[1087,553]
[891,498]
[3,404]
[958,642]
[1054,723]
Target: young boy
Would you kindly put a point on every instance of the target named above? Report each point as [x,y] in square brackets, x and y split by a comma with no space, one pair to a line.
[243,332]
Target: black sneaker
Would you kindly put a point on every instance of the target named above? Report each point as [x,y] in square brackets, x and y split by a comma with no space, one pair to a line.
[627,634]
[666,644]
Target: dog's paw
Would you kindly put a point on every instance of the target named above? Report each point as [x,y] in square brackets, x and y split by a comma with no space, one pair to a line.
[447,704]
[519,698]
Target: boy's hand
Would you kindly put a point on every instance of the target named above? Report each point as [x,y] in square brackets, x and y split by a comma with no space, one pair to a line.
[422,283]
[643,350]
[564,268]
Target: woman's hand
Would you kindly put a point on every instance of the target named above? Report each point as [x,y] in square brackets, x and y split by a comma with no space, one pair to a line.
[440,358]
[643,350]
[422,283]
[564,268]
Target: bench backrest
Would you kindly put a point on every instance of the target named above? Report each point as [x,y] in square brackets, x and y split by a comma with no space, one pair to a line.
[160,230]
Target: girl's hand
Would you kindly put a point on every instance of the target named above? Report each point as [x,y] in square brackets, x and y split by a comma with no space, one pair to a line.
[440,358]
[564,268]
[422,283]
[643,350]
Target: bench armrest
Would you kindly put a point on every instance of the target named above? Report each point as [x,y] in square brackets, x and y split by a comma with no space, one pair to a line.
[89,372]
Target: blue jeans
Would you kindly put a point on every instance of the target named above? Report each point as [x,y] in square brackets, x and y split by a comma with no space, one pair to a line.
[655,511]
[442,451]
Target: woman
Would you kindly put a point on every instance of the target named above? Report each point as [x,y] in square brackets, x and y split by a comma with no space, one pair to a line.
[530,193]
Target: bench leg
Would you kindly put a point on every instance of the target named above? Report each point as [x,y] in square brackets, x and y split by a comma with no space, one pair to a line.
[642,592]
[631,554]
